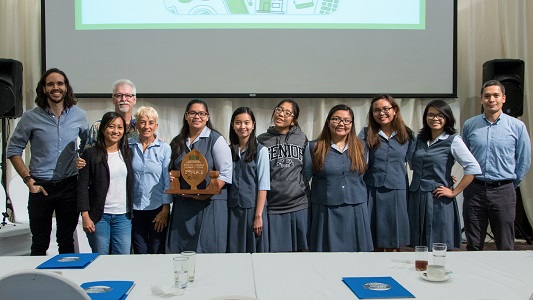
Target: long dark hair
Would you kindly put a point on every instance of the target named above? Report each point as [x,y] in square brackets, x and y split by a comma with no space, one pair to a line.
[403,133]
[178,143]
[123,146]
[443,108]
[356,151]
[251,145]
[42,99]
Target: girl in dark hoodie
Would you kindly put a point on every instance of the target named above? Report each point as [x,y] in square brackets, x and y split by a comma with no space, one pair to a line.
[287,199]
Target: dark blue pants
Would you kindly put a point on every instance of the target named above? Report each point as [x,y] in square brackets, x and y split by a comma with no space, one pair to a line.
[62,198]
[145,239]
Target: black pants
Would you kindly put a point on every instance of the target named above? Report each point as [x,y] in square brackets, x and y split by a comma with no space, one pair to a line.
[62,198]
[496,205]
[145,239]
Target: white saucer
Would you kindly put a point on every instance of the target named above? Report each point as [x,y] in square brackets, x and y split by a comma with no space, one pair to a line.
[424,275]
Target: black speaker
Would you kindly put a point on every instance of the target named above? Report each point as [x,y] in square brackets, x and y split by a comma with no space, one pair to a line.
[510,72]
[10,88]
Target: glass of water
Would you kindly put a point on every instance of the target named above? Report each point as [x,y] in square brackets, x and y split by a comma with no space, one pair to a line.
[180,271]
[439,254]
[191,263]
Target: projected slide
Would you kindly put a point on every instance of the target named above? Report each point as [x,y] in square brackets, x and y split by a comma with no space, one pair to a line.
[214,14]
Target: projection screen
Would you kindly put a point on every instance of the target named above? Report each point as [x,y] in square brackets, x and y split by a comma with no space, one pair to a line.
[254,48]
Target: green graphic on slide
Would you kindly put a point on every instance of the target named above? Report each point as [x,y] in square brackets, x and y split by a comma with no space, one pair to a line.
[252,14]
[241,7]
[236,7]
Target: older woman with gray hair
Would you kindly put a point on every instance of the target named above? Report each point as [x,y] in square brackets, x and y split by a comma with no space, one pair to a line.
[151,206]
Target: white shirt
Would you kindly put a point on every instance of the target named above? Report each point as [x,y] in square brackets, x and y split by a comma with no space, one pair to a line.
[115,201]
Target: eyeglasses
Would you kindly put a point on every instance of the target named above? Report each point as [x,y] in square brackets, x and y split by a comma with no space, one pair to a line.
[192,114]
[384,110]
[433,116]
[337,120]
[127,96]
[285,112]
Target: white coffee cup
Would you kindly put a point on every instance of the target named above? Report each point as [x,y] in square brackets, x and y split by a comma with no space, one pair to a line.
[435,272]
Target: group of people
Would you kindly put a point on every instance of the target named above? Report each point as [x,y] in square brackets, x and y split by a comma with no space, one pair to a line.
[280,192]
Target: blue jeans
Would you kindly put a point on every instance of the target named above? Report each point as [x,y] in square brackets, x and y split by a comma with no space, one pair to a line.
[112,234]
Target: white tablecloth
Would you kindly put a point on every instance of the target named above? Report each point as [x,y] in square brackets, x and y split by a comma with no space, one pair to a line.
[476,275]
[278,276]
[218,276]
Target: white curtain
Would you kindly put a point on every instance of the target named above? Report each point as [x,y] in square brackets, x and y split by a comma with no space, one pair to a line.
[487,29]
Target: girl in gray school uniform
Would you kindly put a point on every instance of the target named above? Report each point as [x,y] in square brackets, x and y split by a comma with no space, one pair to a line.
[432,208]
[248,223]
[200,222]
[335,162]
[287,198]
[391,145]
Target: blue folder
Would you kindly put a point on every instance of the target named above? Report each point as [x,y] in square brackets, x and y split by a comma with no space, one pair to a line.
[69,261]
[376,287]
[108,290]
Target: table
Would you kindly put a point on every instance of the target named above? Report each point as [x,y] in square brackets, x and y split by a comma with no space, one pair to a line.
[476,275]
[267,276]
[218,276]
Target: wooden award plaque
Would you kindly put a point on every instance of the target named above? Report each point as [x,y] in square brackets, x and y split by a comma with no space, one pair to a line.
[193,170]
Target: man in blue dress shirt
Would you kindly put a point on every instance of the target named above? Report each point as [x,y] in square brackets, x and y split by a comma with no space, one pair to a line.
[52,128]
[501,145]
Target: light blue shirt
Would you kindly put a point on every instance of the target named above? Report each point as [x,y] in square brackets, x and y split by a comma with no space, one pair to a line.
[221,155]
[151,177]
[502,148]
[263,169]
[54,142]
[461,154]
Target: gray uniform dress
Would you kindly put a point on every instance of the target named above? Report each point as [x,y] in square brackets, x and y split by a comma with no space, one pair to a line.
[339,213]
[196,225]
[433,220]
[387,183]
[242,198]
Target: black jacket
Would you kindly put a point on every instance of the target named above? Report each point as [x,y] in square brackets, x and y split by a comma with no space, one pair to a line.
[93,184]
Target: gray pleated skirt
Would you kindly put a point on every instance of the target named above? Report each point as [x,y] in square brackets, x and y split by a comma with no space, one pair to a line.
[288,231]
[200,226]
[389,221]
[340,228]
[241,235]
[433,220]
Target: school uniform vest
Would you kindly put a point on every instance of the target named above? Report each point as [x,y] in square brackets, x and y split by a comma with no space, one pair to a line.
[336,184]
[204,146]
[386,165]
[243,190]
[428,170]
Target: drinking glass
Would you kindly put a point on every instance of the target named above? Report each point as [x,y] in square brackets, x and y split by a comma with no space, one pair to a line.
[191,264]
[439,254]
[180,271]
[421,258]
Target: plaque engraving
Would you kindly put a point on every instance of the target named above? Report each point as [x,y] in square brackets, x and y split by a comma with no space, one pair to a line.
[194,169]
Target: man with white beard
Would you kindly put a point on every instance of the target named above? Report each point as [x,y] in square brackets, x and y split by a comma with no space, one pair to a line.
[124,98]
